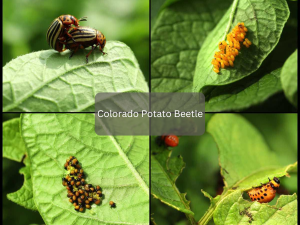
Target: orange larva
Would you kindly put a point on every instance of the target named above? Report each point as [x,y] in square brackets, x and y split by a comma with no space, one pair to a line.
[266,192]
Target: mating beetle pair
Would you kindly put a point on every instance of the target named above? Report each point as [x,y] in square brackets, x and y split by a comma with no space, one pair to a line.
[61,32]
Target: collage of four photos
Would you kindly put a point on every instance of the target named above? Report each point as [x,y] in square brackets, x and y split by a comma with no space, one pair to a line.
[229,67]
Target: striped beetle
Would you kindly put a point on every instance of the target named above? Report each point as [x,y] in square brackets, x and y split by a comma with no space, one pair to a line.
[85,37]
[58,31]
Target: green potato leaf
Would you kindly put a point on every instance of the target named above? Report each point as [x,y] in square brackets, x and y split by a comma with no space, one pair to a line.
[245,159]
[243,93]
[164,173]
[14,149]
[47,81]
[246,155]
[13,145]
[157,6]
[119,164]
[264,19]
[235,210]
[289,78]
[278,130]
[201,166]
[24,196]
[176,37]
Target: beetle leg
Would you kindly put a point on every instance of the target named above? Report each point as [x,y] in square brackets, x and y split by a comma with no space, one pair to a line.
[62,40]
[104,53]
[100,48]
[87,56]
[59,47]
[73,52]
[67,33]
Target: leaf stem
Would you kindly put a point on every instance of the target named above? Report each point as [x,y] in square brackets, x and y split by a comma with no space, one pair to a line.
[234,4]
[209,213]
[191,218]
[207,216]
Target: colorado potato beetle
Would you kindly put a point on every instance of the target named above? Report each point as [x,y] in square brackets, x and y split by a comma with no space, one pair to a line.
[59,29]
[85,37]
[266,192]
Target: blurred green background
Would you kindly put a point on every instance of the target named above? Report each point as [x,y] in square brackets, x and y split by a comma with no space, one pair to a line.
[202,170]
[25,24]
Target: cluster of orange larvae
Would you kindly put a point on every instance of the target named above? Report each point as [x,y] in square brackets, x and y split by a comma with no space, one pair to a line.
[228,52]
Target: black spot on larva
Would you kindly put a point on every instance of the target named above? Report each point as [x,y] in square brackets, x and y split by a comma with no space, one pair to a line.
[64,18]
[252,199]
[266,189]
[255,195]
[258,198]
[261,191]
[255,199]
[265,194]
[268,185]
[262,197]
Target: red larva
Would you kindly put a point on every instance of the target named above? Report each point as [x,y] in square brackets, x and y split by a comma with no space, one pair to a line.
[170,140]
